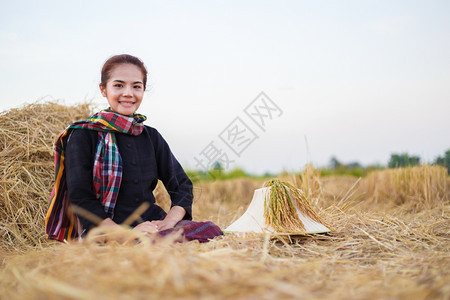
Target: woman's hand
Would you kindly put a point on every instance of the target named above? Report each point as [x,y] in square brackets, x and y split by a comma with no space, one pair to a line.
[164,224]
[175,215]
[107,231]
[147,227]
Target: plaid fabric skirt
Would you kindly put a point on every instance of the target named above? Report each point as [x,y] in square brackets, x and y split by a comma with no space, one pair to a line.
[191,230]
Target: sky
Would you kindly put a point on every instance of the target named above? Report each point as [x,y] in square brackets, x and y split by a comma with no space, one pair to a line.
[267,86]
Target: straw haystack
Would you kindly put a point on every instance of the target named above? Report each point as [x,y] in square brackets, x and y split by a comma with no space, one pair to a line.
[27,137]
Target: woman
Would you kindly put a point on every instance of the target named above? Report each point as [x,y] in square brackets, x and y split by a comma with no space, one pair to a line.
[109,165]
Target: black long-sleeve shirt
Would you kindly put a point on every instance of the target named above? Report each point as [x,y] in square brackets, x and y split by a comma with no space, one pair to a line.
[145,159]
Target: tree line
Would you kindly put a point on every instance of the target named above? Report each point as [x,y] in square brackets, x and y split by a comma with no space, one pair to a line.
[335,167]
[397,160]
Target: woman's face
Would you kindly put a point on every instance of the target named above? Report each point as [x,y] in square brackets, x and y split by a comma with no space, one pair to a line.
[124,89]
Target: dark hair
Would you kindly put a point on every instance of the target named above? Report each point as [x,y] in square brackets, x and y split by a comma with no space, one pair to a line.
[115,60]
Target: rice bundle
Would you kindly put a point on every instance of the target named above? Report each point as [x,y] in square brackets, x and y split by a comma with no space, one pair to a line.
[281,205]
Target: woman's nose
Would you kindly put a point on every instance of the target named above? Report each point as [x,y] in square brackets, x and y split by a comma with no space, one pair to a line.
[127,91]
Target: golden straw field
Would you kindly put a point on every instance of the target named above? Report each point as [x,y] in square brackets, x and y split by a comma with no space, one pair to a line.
[391,237]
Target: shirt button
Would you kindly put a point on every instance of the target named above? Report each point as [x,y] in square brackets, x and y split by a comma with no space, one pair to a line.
[136,180]
[133,162]
[129,145]
[137,199]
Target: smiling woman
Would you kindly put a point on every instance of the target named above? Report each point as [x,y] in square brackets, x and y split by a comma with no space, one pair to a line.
[108,165]
[124,79]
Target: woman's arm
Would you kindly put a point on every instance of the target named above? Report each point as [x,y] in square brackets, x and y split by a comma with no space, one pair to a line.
[176,181]
[175,215]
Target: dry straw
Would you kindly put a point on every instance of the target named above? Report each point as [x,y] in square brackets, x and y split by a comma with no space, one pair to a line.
[413,188]
[369,256]
[27,137]
[391,243]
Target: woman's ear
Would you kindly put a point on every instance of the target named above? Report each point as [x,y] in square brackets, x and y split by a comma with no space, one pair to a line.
[103,90]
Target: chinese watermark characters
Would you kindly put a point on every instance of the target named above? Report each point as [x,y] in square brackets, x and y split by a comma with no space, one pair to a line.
[239,134]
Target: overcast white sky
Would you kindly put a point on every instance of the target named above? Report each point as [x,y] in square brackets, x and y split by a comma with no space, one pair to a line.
[358,80]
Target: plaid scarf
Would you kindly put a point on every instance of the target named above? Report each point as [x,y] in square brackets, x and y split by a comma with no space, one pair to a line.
[60,222]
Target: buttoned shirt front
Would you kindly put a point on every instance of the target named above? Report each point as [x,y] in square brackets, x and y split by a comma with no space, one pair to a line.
[145,159]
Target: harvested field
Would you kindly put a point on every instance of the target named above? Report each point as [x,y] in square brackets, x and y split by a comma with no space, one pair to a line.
[391,237]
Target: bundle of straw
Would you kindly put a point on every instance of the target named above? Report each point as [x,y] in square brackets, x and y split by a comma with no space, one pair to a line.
[281,205]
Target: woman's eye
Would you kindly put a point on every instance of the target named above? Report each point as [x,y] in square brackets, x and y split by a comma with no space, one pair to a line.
[118,85]
[137,87]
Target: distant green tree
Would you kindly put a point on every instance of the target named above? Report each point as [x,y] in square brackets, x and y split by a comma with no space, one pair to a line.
[236,173]
[338,168]
[444,161]
[335,163]
[353,165]
[216,172]
[217,166]
[403,160]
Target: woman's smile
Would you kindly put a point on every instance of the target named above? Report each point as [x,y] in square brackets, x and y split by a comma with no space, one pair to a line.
[126,103]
